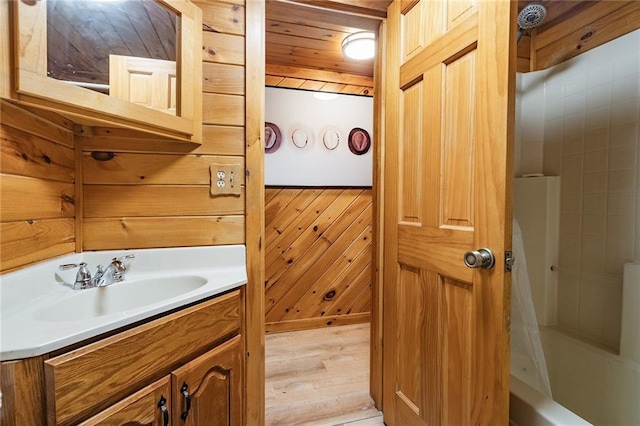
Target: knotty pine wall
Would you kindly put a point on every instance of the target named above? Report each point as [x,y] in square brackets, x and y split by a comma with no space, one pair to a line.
[317,257]
[37,178]
[141,198]
[318,80]
[318,241]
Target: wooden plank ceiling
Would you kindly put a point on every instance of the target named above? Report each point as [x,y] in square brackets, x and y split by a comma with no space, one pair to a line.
[309,33]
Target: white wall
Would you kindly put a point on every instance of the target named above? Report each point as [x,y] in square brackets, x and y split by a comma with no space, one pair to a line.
[580,120]
[315,165]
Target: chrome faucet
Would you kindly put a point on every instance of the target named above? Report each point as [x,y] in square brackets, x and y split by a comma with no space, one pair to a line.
[113,273]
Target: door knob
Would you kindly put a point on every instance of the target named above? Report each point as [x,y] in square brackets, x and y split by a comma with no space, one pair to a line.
[481,258]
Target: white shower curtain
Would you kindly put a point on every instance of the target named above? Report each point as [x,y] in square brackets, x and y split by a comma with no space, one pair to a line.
[527,357]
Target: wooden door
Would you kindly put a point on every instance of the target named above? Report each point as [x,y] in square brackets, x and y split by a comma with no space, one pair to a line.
[449,99]
[213,383]
[148,82]
[149,406]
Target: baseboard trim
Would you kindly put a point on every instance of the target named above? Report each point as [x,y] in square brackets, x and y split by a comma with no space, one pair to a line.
[320,322]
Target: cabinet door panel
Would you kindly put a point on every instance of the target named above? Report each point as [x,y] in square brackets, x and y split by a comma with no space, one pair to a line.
[213,383]
[140,409]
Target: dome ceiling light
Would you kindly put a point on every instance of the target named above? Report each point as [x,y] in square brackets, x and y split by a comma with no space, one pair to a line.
[359,46]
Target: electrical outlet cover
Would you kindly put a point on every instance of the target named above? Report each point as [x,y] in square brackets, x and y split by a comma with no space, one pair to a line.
[225,179]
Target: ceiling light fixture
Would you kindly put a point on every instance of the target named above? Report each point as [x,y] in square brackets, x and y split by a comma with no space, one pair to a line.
[359,46]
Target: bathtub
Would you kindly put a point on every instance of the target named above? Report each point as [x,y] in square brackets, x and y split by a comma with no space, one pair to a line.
[528,407]
[600,386]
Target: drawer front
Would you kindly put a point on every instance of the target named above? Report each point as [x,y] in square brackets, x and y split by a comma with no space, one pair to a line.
[141,408]
[98,375]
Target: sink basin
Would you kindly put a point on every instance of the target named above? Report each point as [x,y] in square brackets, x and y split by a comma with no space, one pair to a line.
[117,298]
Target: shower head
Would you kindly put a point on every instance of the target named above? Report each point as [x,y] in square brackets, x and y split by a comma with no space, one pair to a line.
[530,17]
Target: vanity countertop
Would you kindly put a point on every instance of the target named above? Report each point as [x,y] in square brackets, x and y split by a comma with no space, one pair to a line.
[41,313]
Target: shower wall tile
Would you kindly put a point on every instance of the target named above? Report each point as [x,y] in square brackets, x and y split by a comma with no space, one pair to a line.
[590,307]
[596,139]
[624,112]
[627,64]
[586,123]
[625,87]
[622,181]
[594,204]
[625,135]
[596,161]
[612,309]
[568,293]
[572,163]
[623,158]
[598,96]
[594,225]
[598,117]
[595,183]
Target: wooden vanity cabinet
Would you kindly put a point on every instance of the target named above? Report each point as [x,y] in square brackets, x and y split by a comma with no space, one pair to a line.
[213,385]
[205,391]
[122,379]
[149,406]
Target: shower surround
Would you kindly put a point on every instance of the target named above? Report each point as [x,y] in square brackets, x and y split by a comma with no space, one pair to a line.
[580,120]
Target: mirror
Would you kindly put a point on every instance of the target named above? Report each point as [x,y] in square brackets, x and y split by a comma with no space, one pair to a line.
[120,48]
[112,62]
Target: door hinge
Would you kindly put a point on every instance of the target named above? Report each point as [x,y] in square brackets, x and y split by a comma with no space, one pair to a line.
[509,260]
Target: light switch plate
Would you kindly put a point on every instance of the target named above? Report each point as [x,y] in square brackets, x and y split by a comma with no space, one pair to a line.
[225,179]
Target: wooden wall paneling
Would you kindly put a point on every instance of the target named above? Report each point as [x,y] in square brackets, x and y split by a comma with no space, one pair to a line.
[255,215]
[589,35]
[295,240]
[21,118]
[223,48]
[322,296]
[222,78]
[47,199]
[309,323]
[217,140]
[147,169]
[378,206]
[26,154]
[222,17]
[79,189]
[285,206]
[6,60]
[320,256]
[573,27]
[29,241]
[318,80]
[157,200]
[318,242]
[170,231]
[223,109]
[37,158]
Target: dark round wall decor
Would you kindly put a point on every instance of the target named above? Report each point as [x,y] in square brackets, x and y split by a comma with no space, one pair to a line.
[272,138]
[359,141]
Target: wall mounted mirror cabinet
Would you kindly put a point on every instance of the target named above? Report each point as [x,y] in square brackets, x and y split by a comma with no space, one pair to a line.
[124,63]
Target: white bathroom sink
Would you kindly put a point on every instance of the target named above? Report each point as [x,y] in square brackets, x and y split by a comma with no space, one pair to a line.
[40,313]
[118,298]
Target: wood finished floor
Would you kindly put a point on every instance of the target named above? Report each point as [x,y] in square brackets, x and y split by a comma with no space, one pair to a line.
[319,377]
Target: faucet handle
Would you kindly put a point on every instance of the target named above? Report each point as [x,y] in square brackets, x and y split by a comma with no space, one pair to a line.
[128,256]
[67,266]
[118,262]
[83,277]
